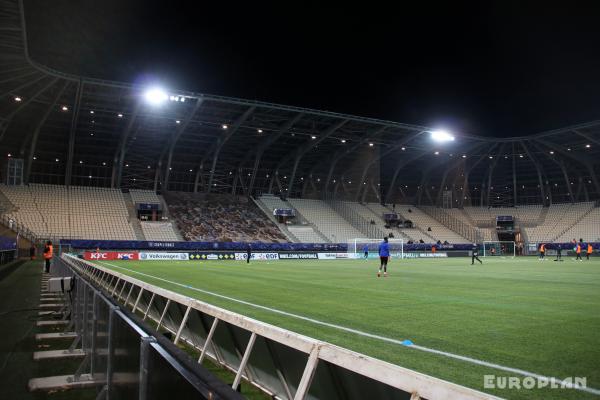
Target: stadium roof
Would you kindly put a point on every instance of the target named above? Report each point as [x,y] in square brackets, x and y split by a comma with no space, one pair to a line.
[84,131]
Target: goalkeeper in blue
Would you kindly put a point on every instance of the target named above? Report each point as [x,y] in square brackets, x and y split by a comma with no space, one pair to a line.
[384,256]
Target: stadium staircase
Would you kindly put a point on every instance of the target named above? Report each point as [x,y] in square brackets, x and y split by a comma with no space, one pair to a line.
[135,222]
[353,213]
[6,205]
[453,224]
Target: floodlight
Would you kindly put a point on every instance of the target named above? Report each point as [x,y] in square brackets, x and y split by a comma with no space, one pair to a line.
[155,96]
[442,136]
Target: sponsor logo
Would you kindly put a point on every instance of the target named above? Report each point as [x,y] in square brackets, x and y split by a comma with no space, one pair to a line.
[111,255]
[298,256]
[257,256]
[99,256]
[425,255]
[127,256]
[147,256]
[212,256]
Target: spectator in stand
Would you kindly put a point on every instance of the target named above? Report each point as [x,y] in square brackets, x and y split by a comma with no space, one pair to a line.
[428,229]
[421,241]
[221,218]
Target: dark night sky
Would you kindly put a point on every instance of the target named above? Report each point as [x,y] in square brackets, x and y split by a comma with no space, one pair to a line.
[500,68]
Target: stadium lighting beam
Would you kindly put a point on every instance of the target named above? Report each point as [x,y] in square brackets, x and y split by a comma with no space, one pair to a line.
[156,96]
[442,136]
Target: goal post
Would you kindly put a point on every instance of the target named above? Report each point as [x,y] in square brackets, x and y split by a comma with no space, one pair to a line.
[499,248]
[356,247]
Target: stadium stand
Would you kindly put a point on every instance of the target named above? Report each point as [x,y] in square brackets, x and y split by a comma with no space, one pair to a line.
[221,218]
[486,217]
[299,230]
[560,219]
[159,231]
[422,222]
[144,196]
[333,226]
[374,212]
[55,211]
[588,228]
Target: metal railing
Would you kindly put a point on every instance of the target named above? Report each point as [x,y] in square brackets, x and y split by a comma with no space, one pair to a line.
[119,357]
[454,224]
[18,227]
[283,364]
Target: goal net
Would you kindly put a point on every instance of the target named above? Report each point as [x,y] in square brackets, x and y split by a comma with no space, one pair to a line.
[499,248]
[357,247]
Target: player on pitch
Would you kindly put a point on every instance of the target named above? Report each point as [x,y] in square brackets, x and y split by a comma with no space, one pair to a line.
[475,254]
[384,256]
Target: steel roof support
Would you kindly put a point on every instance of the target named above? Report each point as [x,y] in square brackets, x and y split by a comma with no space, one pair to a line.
[561,165]
[20,87]
[8,117]
[491,172]
[119,156]
[539,172]
[307,147]
[466,172]
[514,175]
[181,129]
[198,181]
[399,166]
[584,160]
[216,149]
[36,132]
[72,131]
[261,149]
[376,158]
[586,136]
[338,156]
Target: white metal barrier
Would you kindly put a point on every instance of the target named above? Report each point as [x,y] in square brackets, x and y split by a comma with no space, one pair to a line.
[284,364]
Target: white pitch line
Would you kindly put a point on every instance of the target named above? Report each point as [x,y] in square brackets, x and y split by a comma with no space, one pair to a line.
[406,343]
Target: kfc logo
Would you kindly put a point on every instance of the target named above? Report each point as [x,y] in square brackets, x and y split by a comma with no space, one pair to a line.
[99,256]
[110,255]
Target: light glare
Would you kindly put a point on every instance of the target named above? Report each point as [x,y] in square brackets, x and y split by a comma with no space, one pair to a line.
[442,136]
[155,96]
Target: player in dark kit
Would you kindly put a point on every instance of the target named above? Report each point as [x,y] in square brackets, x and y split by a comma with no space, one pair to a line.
[248,254]
[475,254]
[384,255]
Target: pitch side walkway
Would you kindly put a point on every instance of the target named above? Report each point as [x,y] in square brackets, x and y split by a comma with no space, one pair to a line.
[19,290]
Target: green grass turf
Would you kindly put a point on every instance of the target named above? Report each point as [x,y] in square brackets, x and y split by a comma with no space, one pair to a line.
[520,313]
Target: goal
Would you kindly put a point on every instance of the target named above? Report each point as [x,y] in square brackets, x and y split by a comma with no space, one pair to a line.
[499,248]
[356,247]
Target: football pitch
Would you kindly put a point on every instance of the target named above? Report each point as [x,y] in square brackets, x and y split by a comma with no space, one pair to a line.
[538,317]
